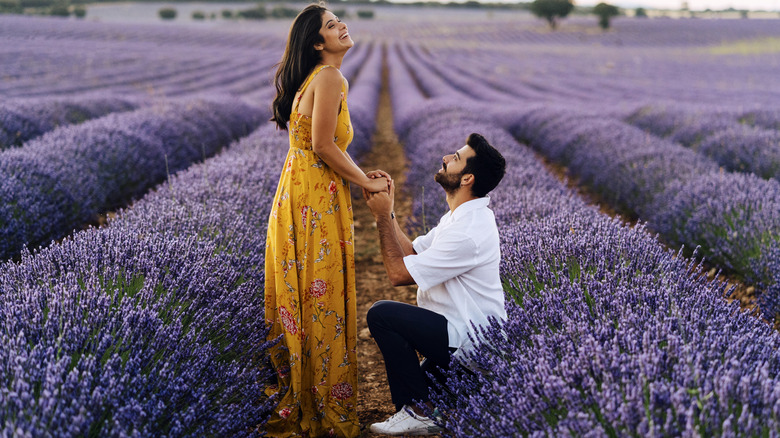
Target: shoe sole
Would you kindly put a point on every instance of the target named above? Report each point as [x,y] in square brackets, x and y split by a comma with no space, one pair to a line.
[430,430]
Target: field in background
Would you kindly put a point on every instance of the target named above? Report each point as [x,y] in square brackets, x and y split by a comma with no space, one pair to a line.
[154,321]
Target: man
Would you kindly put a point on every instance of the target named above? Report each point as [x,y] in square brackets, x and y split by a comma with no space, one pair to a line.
[455,267]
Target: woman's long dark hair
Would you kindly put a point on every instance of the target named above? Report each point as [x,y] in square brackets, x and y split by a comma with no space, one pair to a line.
[299,59]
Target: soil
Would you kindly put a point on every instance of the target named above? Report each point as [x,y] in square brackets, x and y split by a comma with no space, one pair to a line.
[374,404]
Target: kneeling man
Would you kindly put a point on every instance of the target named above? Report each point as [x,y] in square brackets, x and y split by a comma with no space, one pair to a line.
[455,267]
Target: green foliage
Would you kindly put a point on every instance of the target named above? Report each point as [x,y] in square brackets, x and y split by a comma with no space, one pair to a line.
[605,13]
[366,14]
[167,13]
[35,3]
[281,11]
[341,13]
[80,11]
[59,9]
[256,13]
[198,15]
[552,10]
[10,7]
[640,13]
[227,14]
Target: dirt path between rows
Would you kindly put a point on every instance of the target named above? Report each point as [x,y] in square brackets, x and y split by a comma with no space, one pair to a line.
[374,403]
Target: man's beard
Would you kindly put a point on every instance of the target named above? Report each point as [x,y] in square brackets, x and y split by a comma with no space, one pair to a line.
[449,182]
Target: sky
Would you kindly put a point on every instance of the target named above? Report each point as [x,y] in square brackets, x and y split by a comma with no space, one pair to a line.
[695,5]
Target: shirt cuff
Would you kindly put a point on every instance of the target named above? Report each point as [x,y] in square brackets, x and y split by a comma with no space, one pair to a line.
[411,266]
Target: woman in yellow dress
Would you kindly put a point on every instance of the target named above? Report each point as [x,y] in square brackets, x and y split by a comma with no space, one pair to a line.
[309,262]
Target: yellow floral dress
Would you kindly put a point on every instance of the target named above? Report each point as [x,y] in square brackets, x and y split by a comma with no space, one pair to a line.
[310,288]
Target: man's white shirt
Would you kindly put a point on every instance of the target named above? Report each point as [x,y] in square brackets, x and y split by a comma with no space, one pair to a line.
[456,270]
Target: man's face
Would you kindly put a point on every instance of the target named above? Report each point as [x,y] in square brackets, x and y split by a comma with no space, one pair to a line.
[452,166]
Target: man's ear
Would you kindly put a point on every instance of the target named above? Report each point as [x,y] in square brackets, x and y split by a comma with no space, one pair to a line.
[467,179]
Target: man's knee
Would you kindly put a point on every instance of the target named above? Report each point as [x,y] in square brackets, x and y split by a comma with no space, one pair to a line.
[377,313]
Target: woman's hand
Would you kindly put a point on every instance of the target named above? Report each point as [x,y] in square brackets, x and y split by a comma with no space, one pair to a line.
[380,174]
[377,184]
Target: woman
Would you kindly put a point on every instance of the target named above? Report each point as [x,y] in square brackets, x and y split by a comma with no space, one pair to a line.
[309,264]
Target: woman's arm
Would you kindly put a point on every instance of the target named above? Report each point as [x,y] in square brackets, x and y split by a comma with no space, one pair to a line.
[327,99]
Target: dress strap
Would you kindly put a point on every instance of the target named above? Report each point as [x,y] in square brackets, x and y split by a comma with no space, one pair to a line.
[306,85]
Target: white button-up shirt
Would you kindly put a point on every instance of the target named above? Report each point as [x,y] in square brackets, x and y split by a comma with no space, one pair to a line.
[456,270]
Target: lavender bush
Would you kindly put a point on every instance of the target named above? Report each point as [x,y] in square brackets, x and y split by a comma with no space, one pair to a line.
[718,135]
[155,324]
[45,57]
[363,97]
[682,195]
[22,120]
[64,178]
[608,332]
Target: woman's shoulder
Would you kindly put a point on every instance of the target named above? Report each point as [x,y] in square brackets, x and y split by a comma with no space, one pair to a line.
[329,76]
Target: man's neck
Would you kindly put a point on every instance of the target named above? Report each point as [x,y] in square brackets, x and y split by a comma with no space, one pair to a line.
[458,198]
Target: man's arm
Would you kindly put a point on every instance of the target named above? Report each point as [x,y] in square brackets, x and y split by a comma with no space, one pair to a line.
[392,250]
[394,243]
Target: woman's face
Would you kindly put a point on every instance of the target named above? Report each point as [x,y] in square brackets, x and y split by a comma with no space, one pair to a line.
[335,34]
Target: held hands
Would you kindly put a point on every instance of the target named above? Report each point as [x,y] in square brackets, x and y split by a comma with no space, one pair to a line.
[381,203]
[376,179]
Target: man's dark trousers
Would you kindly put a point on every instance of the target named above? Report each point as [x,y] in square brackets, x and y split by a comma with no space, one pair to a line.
[401,330]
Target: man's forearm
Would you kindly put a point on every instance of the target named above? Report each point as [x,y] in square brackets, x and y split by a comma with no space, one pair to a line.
[393,251]
[403,240]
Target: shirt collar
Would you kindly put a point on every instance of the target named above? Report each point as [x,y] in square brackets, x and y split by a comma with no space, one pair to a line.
[469,206]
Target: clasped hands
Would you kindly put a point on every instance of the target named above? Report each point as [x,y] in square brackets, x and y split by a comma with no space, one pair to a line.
[380,202]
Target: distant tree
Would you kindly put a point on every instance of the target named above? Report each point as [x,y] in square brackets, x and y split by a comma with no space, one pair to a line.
[59,9]
[640,13]
[10,6]
[743,14]
[167,13]
[227,14]
[552,10]
[198,15]
[280,11]
[605,13]
[257,13]
[80,11]
[365,14]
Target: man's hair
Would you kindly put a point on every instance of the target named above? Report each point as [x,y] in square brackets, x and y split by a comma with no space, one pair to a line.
[487,165]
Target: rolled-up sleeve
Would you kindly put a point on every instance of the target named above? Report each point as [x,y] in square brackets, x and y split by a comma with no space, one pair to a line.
[449,256]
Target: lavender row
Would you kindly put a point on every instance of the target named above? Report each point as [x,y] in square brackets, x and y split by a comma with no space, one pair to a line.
[22,120]
[606,76]
[511,29]
[608,332]
[130,60]
[25,27]
[686,198]
[131,69]
[721,136]
[65,178]
[154,324]
[640,180]
[364,99]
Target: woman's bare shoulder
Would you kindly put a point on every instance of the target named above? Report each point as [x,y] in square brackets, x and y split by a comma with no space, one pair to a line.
[329,77]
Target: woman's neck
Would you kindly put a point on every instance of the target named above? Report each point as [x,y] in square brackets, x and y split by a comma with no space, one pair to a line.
[332,59]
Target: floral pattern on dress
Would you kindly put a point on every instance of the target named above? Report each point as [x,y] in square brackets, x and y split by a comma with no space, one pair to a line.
[310,289]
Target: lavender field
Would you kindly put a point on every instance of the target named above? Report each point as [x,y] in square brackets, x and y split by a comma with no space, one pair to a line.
[153,323]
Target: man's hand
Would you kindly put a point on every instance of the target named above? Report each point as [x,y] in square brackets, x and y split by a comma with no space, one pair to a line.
[382,203]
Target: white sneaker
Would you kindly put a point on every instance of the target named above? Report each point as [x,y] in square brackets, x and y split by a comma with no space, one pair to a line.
[406,422]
